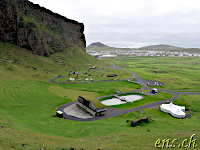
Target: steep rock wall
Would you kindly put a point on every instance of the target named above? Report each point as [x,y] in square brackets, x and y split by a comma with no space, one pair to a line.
[38,29]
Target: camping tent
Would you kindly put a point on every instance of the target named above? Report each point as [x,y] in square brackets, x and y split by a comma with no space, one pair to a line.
[174,110]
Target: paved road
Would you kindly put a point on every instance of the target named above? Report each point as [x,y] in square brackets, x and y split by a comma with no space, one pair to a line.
[144,87]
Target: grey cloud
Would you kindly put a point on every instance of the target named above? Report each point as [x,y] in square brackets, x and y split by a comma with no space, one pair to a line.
[133,22]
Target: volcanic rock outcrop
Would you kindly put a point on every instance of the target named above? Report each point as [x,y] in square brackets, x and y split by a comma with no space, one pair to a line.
[38,29]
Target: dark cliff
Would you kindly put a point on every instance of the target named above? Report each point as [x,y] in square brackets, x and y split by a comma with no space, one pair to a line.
[38,29]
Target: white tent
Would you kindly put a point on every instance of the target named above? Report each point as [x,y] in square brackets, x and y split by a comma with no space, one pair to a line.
[71,79]
[174,110]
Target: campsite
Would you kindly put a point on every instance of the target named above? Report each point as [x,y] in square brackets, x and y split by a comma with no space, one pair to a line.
[62,89]
[47,97]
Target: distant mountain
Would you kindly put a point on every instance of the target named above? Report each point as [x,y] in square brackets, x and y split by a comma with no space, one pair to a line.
[161,47]
[97,44]
[102,47]
[98,47]
[164,47]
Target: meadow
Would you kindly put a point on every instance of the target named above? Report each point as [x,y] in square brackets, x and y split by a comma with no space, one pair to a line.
[28,102]
[18,62]
[177,73]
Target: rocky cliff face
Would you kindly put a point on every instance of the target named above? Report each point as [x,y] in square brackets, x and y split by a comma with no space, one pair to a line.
[38,29]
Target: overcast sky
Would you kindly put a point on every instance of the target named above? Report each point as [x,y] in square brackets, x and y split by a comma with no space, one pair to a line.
[133,23]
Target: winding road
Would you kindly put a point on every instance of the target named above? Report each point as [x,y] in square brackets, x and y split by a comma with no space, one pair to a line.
[121,112]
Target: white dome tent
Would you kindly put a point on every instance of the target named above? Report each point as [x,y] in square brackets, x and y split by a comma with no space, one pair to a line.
[174,110]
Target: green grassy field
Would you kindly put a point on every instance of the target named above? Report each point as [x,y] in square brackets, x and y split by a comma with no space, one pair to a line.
[167,70]
[96,75]
[28,102]
[104,134]
[19,62]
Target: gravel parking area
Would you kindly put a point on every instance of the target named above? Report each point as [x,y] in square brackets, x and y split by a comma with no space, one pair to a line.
[76,111]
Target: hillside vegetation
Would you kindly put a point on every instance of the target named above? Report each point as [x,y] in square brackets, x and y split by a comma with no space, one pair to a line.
[18,62]
[28,102]
[177,73]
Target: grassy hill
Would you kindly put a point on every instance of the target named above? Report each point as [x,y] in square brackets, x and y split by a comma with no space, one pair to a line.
[97,44]
[98,47]
[161,47]
[28,102]
[16,61]
[164,47]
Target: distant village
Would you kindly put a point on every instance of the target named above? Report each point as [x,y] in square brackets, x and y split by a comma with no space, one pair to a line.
[133,53]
